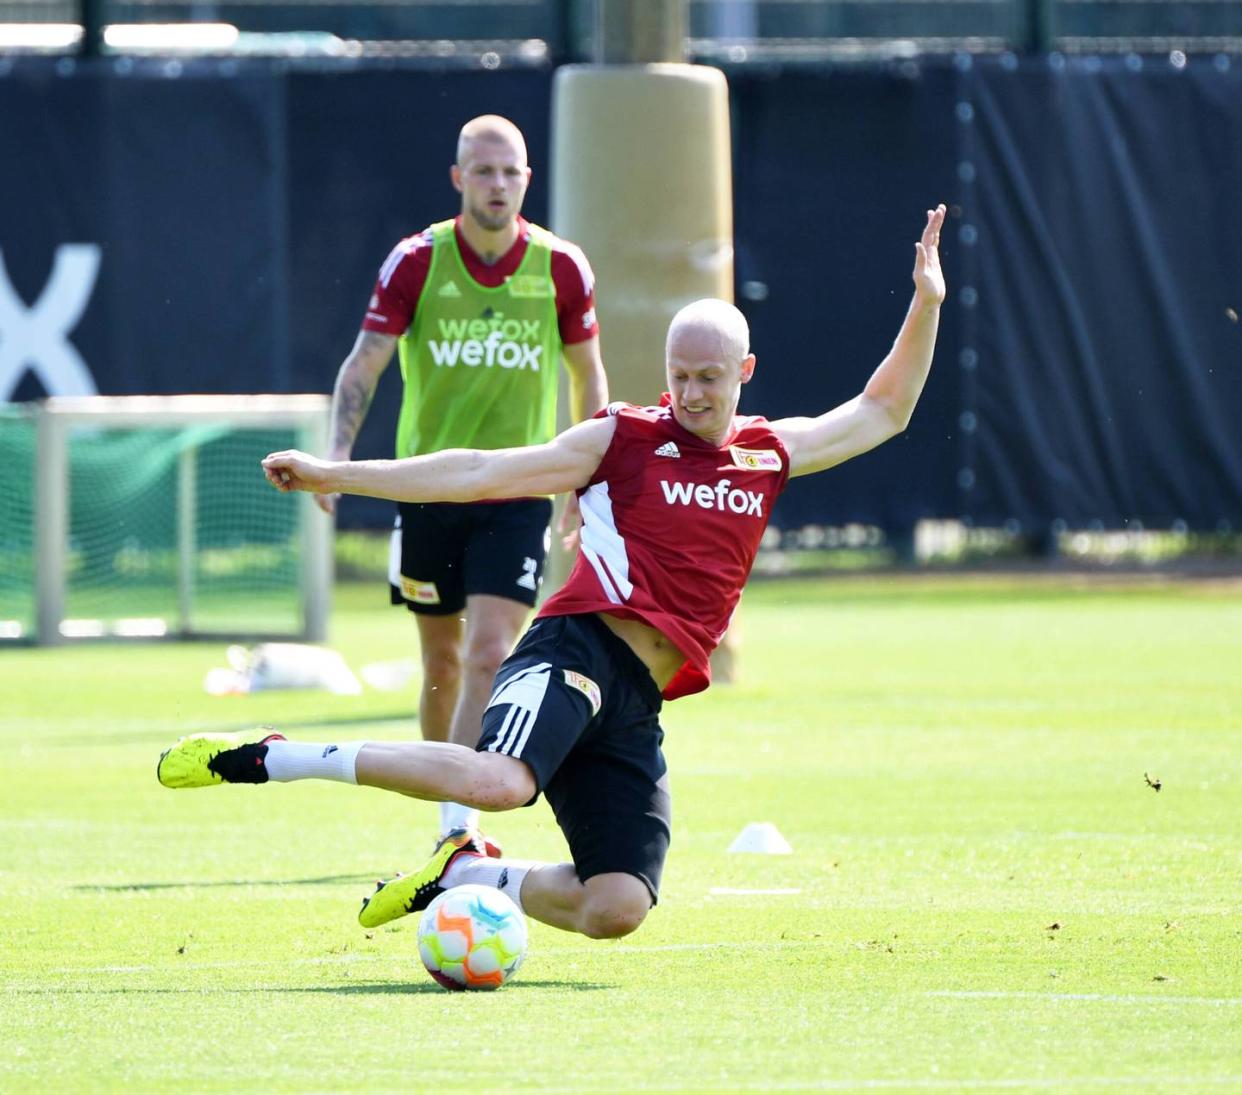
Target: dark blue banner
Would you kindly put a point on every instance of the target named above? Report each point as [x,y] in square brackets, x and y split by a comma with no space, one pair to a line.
[833,174]
[369,158]
[139,221]
[217,227]
[1100,292]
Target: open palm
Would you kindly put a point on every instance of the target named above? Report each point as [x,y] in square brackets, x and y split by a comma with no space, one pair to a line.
[928,277]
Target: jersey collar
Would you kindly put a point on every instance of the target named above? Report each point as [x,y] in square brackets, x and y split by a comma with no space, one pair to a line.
[503,267]
[666,403]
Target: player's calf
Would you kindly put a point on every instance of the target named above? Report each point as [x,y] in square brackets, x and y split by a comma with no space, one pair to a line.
[440,770]
[429,770]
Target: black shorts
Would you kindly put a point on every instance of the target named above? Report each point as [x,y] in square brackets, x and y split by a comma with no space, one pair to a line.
[444,552]
[577,706]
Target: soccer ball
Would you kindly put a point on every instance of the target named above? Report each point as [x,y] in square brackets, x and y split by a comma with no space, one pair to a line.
[472,937]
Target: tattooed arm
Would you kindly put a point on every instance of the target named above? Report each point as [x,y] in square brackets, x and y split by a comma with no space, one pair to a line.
[351,398]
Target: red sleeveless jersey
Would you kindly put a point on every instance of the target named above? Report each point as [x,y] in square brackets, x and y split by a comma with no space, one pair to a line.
[671,525]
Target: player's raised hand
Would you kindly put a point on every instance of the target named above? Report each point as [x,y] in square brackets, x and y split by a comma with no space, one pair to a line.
[928,277]
[294,470]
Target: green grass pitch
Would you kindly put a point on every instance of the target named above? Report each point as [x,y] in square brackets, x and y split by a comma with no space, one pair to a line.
[985,892]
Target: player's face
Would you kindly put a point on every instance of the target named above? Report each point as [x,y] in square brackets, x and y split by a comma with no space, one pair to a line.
[705,381]
[492,177]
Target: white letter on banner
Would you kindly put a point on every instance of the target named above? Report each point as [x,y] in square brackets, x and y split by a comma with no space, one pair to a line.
[38,337]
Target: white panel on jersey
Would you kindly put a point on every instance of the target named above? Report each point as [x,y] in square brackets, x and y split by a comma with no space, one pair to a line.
[393,261]
[602,545]
[584,268]
[399,252]
[394,556]
[523,692]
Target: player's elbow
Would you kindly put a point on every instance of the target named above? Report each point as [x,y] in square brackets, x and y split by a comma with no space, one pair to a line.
[899,420]
[362,369]
[884,417]
[478,478]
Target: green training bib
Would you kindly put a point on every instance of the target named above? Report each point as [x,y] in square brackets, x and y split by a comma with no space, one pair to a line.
[480,365]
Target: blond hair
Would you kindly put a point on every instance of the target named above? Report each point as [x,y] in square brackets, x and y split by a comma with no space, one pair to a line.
[489,127]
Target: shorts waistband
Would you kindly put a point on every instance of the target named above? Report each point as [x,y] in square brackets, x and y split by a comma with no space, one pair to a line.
[624,655]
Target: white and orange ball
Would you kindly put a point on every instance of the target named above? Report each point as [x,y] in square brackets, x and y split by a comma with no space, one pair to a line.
[472,937]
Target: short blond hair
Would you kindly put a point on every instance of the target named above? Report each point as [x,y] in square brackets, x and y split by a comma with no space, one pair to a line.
[489,127]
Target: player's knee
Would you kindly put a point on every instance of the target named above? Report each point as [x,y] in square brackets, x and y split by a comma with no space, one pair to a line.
[441,665]
[612,922]
[615,906]
[486,655]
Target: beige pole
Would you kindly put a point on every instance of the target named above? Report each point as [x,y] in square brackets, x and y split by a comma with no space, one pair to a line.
[642,181]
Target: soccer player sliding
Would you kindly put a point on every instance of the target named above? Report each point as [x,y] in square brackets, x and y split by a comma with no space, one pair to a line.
[674,499]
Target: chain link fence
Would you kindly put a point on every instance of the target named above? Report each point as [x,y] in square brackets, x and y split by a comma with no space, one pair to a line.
[541,32]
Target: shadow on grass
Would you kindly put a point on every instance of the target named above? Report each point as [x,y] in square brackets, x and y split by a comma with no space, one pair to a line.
[386,988]
[169,733]
[139,887]
[403,714]
[366,988]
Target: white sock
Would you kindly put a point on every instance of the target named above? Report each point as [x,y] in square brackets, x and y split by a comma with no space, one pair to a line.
[505,875]
[453,815]
[287,761]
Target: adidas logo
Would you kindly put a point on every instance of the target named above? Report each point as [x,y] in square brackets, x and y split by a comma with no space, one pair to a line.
[669,448]
[449,289]
[528,579]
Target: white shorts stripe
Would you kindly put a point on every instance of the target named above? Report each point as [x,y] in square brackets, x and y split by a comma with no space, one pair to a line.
[514,678]
[514,732]
[523,692]
[506,733]
[528,724]
[522,727]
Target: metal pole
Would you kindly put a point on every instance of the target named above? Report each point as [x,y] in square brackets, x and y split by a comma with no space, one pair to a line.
[51,525]
[187,539]
[92,28]
[318,530]
[1037,32]
[650,32]
[568,26]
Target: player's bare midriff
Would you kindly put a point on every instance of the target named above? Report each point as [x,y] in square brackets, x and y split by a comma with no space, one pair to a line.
[653,648]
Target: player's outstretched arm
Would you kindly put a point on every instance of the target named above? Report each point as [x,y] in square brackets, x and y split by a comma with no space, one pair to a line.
[884,407]
[454,475]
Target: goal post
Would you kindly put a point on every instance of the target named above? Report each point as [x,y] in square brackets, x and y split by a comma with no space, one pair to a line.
[149,517]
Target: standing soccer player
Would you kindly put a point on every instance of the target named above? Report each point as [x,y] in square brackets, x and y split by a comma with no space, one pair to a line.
[481,310]
[675,499]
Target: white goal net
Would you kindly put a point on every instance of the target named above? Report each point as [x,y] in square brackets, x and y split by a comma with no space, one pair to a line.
[149,517]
